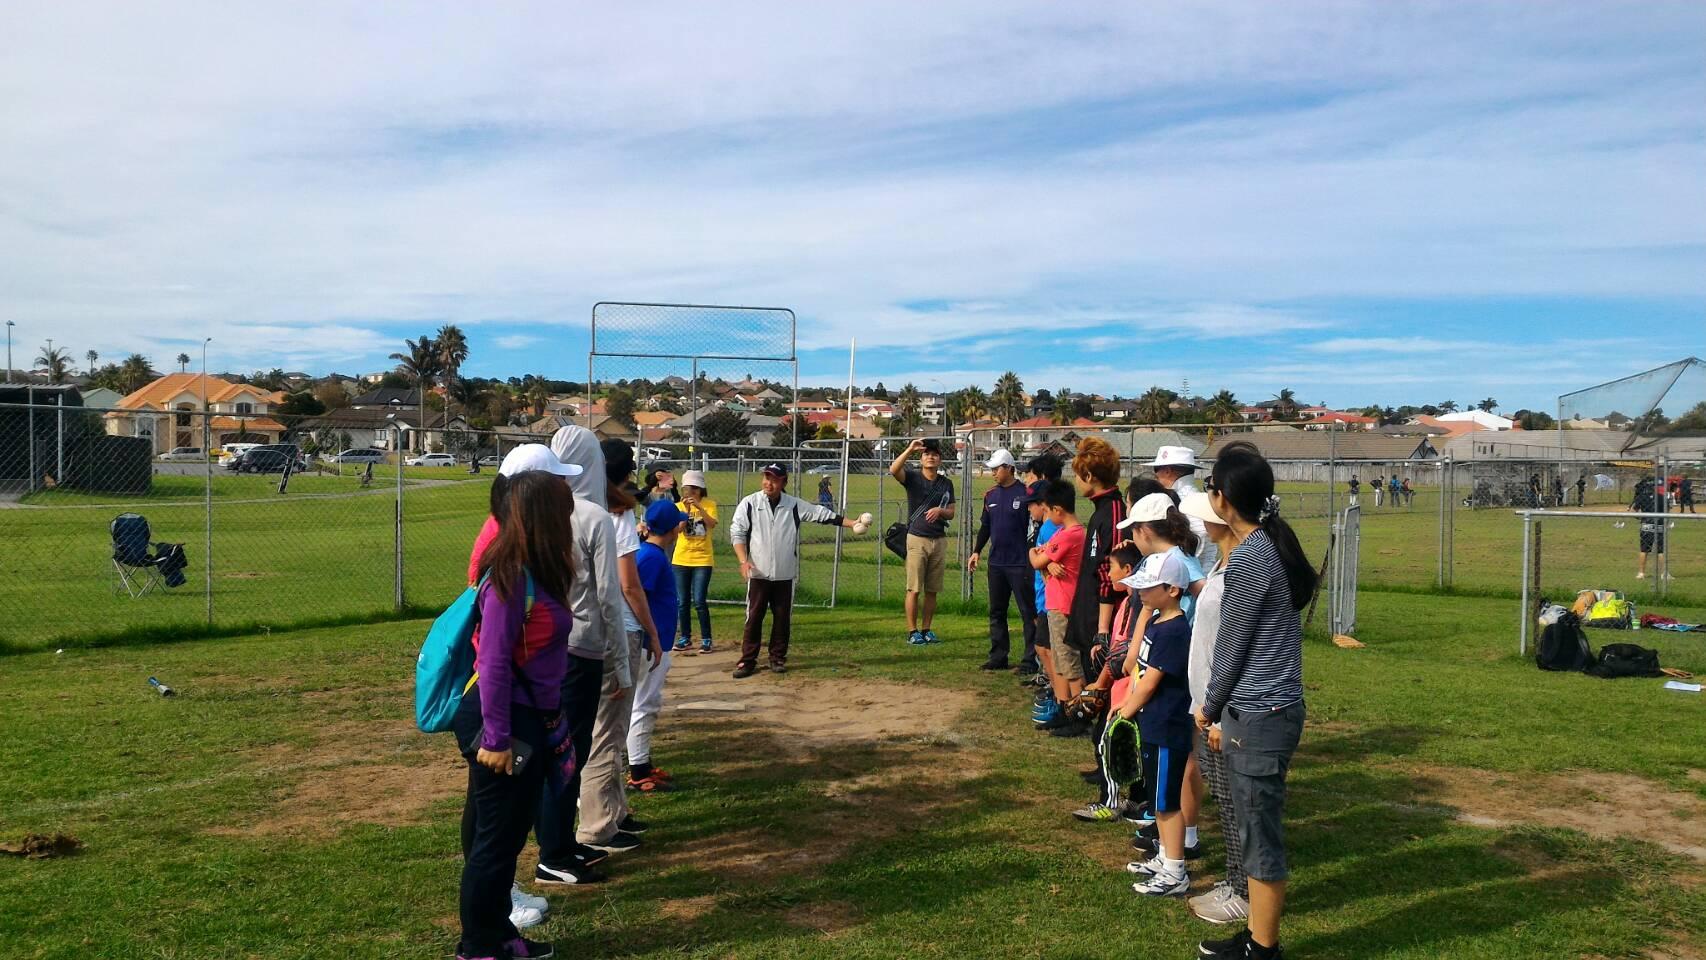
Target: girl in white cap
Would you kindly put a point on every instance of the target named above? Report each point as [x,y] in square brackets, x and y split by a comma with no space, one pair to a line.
[693,561]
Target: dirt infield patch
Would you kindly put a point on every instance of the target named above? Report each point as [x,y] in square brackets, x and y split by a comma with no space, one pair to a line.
[1597,804]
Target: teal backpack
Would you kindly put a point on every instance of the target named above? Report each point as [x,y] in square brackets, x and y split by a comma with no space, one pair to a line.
[444,670]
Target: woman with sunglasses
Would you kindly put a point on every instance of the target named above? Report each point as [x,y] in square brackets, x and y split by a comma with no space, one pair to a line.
[1256,690]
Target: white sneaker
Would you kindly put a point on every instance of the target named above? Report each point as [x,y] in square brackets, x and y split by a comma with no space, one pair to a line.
[1145,868]
[1220,905]
[1164,885]
[524,917]
[1640,576]
[521,898]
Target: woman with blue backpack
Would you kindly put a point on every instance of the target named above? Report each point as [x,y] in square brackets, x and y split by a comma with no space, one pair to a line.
[510,724]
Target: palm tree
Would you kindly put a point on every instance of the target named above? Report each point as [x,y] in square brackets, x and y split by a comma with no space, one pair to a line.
[135,371]
[1008,398]
[421,363]
[56,361]
[1488,405]
[1062,414]
[183,362]
[1155,406]
[974,402]
[538,394]
[1223,408]
[908,403]
[452,353]
[93,358]
[1448,406]
[1285,404]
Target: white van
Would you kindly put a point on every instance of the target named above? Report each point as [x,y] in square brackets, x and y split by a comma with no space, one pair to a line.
[232,451]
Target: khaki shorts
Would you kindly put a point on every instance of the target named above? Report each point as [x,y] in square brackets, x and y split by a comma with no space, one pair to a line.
[1068,659]
[926,563]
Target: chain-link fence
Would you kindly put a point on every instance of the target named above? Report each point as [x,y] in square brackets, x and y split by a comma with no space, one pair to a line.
[350,533]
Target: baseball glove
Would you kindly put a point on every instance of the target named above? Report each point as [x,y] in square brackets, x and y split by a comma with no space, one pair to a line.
[1087,706]
[1121,751]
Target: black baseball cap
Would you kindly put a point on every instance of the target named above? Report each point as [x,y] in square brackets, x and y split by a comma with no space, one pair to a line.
[932,445]
[1034,493]
[779,469]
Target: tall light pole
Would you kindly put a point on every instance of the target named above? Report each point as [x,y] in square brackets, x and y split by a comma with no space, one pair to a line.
[9,326]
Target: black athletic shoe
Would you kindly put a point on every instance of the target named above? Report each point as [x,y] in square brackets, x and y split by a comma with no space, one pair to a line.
[586,856]
[619,842]
[1091,776]
[633,826]
[1236,947]
[522,948]
[744,670]
[1070,729]
[1151,845]
[575,875]
[1060,719]
[777,666]
[994,665]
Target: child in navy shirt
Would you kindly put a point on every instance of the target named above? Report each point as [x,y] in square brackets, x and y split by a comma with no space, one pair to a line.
[1160,699]
[657,575]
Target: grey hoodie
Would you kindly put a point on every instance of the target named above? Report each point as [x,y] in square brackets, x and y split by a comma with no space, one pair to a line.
[596,600]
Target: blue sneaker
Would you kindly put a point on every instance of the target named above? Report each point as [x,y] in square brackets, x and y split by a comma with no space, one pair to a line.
[705,645]
[683,643]
[1049,715]
[916,638]
[930,637]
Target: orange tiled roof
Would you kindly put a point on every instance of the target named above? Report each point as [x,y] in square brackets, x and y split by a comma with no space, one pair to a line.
[161,392]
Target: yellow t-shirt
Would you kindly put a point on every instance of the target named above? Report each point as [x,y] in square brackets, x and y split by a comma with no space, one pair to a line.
[693,547]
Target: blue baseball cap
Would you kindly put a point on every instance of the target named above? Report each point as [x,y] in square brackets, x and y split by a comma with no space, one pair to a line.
[662,516]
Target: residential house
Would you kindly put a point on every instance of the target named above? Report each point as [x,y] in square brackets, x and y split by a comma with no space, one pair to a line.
[1255,414]
[1490,421]
[100,398]
[1119,411]
[377,428]
[861,428]
[932,408]
[165,411]
[385,397]
[1320,445]
[1544,445]
[1347,421]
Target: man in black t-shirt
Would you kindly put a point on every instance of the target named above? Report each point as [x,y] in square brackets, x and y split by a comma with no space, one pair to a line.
[929,507]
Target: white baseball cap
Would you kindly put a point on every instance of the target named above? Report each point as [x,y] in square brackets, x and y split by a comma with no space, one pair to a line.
[1001,458]
[536,456]
[1157,569]
[693,478]
[1174,457]
[1152,507]
[1196,505]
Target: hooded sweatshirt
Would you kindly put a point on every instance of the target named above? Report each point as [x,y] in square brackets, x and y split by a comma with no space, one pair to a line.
[596,600]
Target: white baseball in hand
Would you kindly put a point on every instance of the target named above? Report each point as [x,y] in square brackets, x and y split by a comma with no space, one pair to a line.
[860,527]
[865,518]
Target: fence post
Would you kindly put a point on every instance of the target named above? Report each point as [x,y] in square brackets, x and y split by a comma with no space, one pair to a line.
[965,527]
[1527,546]
[207,518]
[881,527]
[397,573]
[1439,573]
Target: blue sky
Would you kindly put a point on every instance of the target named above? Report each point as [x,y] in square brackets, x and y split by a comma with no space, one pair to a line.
[1364,202]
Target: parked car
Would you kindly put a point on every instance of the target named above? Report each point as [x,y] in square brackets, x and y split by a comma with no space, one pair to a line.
[431,460]
[825,469]
[654,454]
[357,455]
[183,455]
[232,451]
[491,460]
[269,458]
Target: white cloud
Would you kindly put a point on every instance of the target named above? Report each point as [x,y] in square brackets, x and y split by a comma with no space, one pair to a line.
[311,174]
[516,341]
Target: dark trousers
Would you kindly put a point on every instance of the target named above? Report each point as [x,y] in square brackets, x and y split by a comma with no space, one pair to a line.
[691,583]
[503,806]
[1012,583]
[556,828]
[776,596]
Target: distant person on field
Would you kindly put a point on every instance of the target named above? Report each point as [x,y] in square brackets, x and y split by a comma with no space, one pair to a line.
[1002,527]
[765,534]
[1685,495]
[660,485]
[930,505]
[1652,530]
[825,495]
[1356,485]
[1395,491]
[694,559]
[1379,487]
[1582,488]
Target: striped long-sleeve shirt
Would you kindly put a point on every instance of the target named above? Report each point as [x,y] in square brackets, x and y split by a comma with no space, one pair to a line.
[1258,652]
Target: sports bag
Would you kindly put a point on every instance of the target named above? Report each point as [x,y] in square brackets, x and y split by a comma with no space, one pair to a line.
[1612,612]
[1563,645]
[1626,660]
[444,669]
[895,536]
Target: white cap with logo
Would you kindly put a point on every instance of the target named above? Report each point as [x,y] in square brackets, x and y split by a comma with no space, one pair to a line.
[1158,569]
[1001,458]
[536,456]
[1152,507]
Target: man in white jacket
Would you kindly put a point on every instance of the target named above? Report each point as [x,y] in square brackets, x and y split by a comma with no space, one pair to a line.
[765,532]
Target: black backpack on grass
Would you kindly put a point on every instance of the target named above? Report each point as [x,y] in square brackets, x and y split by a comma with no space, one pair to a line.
[1563,646]
[1626,660]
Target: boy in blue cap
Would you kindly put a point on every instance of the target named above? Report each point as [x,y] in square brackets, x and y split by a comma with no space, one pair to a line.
[657,576]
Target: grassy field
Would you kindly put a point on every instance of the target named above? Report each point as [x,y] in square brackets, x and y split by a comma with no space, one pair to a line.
[1449,801]
[325,551]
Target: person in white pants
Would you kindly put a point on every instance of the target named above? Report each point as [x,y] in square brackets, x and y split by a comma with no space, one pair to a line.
[664,521]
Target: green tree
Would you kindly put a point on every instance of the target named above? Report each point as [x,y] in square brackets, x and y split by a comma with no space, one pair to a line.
[1488,405]
[1694,421]
[1652,421]
[827,430]
[619,406]
[56,361]
[538,394]
[1156,405]
[1448,406]
[420,363]
[908,406]
[183,363]
[1008,399]
[92,357]
[299,405]
[1223,408]
[974,403]
[452,348]
[1285,404]
[136,371]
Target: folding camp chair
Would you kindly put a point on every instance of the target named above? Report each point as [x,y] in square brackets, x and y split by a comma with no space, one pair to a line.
[140,569]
